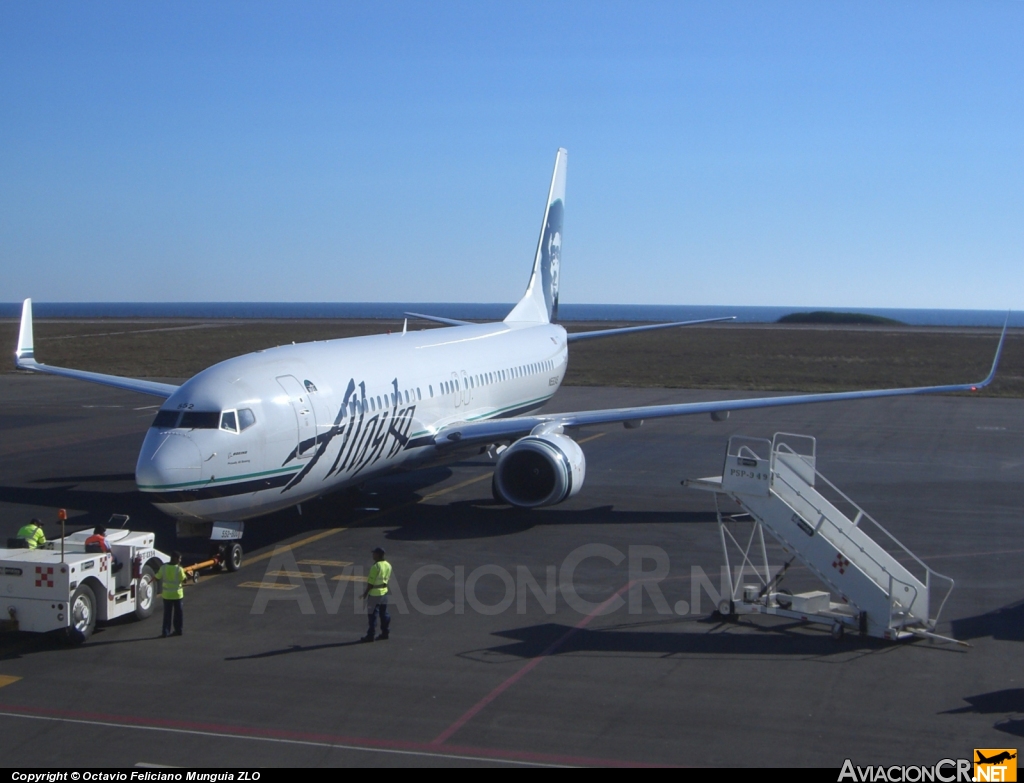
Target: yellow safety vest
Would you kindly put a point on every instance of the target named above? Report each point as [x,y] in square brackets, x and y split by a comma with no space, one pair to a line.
[172,581]
[34,535]
[380,575]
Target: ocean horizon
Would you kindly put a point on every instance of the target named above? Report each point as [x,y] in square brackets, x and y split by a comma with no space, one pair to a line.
[485,311]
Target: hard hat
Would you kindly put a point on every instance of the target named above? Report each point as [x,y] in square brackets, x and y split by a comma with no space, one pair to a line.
[379,551]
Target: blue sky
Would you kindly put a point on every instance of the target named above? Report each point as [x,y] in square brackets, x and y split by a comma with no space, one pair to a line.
[838,154]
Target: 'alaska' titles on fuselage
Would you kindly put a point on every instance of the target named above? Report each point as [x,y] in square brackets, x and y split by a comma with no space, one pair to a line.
[271,429]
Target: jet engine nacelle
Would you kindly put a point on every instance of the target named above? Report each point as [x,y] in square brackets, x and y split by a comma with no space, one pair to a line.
[539,470]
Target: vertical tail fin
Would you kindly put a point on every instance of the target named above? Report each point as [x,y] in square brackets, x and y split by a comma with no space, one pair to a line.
[540,302]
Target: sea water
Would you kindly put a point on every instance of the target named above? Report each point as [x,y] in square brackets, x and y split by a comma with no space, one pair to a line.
[483,311]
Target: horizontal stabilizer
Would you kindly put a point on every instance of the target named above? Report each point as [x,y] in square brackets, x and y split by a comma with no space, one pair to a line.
[440,320]
[576,336]
[24,359]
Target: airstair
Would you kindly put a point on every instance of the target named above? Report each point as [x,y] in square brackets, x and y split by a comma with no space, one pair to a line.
[876,586]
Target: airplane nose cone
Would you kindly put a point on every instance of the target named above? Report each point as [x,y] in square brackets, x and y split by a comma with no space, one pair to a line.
[166,459]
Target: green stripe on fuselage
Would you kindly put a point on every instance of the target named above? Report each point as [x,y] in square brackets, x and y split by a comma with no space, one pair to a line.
[278,471]
[498,411]
[161,487]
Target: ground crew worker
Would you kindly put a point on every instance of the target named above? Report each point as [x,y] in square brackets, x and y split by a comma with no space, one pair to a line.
[376,595]
[172,587]
[98,540]
[33,534]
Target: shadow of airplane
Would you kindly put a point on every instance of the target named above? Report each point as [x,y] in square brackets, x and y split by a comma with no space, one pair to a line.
[1001,702]
[85,479]
[471,519]
[1004,702]
[338,509]
[98,505]
[559,639]
[295,648]
[1012,726]
[1004,624]
[460,520]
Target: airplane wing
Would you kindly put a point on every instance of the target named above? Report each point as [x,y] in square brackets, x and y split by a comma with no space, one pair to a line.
[24,359]
[576,336]
[494,430]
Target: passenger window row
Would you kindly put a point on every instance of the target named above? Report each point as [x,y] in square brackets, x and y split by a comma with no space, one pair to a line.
[489,378]
[373,404]
[241,420]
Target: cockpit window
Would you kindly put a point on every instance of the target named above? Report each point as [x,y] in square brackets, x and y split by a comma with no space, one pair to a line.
[245,419]
[200,420]
[166,419]
[228,421]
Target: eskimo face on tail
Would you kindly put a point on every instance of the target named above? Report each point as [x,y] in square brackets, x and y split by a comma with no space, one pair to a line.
[551,256]
[540,302]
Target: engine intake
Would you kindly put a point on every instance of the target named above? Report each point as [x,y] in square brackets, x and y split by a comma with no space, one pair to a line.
[539,470]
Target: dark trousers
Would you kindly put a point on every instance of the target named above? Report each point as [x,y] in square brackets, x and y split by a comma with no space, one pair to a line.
[375,606]
[172,605]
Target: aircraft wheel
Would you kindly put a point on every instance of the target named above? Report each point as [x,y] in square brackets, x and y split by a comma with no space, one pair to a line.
[233,557]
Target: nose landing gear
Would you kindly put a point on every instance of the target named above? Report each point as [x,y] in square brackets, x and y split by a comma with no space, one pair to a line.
[225,557]
[226,551]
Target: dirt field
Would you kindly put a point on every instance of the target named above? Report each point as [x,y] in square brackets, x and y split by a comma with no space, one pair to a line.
[729,356]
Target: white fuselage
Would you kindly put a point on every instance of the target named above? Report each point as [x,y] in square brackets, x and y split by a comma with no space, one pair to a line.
[271,429]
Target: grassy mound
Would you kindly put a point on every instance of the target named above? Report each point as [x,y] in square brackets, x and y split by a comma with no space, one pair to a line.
[830,317]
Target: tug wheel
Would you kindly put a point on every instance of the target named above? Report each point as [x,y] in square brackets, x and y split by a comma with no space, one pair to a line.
[81,615]
[145,593]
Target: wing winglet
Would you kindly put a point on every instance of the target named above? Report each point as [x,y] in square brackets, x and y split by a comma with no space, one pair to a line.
[26,342]
[998,356]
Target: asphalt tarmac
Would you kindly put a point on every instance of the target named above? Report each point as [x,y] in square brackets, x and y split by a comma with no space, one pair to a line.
[484,667]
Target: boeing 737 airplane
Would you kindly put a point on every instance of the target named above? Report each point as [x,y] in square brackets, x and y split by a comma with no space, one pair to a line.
[270,429]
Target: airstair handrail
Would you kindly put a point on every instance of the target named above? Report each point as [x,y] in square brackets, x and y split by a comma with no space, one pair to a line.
[744,442]
[824,517]
[949,591]
[890,593]
[750,452]
[861,513]
[928,570]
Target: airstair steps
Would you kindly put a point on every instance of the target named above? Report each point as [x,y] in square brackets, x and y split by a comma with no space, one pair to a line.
[777,484]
